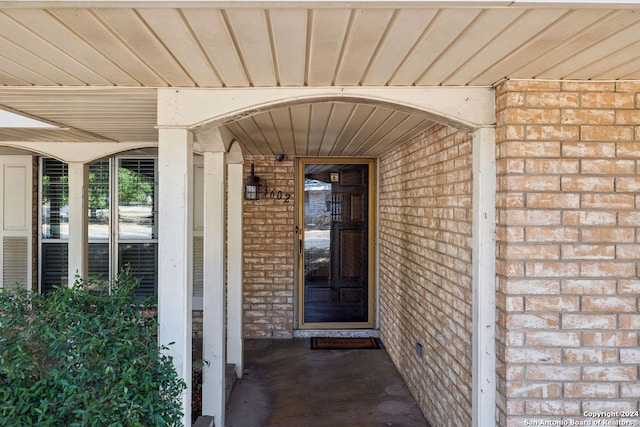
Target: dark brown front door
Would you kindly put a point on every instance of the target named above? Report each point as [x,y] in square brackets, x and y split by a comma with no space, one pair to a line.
[334,245]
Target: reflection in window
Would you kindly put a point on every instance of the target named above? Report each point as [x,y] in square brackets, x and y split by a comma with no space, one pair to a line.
[99,201]
[99,266]
[142,259]
[54,265]
[136,199]
[55,199]
[132,245]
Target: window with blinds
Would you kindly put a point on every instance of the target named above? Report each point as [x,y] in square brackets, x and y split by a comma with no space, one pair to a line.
[142,259]
[99,264]
[99,224]
[54,217]
[137,199]
[137,244]
[53,265]
[99,193]
[55,199]
[131,209]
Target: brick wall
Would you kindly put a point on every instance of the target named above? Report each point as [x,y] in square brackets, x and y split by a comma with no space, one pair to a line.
[425,270]
[568,245]
[269,251]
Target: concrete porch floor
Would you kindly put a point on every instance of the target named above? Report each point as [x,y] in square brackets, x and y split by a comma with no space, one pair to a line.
[286,384]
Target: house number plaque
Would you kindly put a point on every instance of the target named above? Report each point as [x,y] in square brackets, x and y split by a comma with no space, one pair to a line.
[274,193]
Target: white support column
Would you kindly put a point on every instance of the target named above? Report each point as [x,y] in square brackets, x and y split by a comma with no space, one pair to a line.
[78,263]
[484,278]
[175,247]
[214,313]
[235,194]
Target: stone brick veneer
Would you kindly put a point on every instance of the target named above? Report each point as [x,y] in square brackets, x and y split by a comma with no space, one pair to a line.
[425,269]
[568,245]
[269,252]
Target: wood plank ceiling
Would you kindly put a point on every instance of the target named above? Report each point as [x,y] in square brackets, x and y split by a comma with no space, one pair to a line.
[95,70]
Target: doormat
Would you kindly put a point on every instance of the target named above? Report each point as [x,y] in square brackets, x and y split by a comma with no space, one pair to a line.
[327,343]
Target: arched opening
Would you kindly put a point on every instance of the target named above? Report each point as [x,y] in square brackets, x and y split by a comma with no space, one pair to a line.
[428,295]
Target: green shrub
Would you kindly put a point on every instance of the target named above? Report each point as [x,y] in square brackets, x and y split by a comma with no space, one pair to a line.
[78,357]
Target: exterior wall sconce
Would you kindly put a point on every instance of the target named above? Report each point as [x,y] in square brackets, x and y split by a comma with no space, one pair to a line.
[252,186]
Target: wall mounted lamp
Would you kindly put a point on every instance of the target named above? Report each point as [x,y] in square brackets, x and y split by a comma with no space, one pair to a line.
[252,186]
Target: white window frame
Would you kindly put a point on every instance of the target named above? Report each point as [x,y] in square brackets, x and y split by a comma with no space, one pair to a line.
[113,240]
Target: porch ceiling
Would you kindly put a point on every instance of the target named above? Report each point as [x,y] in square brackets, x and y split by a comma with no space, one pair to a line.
[93,67]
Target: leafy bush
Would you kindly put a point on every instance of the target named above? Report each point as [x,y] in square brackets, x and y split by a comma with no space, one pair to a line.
[77,357]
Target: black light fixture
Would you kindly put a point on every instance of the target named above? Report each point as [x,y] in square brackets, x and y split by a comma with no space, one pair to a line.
[252,186]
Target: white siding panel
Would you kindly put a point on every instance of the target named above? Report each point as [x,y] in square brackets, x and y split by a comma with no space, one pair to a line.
[336,124]
[575,62]
[282,122]
[404,31]
[515,48]
[411,127]
[77,59]
[443,30]
[214,36]
[358,118]
[617,60]
[328,30]
[571,39]
[289,28]
[318,124]
[367,29]
[240,134]
[393,120]
[39,55]
[251,127]
[144,44]
[129,68]
[300,128]
[269,131]
[483,30]
[172,29]
[252,37]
